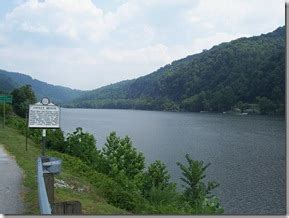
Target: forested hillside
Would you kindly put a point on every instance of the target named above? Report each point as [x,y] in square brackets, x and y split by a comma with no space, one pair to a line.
[6,84]
[240,73]
[58,94]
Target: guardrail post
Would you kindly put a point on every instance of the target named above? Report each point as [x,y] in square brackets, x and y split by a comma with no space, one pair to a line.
[49,182]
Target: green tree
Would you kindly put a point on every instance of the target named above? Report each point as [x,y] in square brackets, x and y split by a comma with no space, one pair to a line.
[119,156]
[223,99]
[156,176]
[266,105]
[82,145]
[22,97]
[197,193]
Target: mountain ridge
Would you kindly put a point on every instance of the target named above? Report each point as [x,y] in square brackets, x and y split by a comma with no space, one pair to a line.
[58,94]
[216,79]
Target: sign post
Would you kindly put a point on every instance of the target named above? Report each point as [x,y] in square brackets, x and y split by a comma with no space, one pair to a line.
[4,114]
[5,99]
[44,115]
[26,130]
[43,142]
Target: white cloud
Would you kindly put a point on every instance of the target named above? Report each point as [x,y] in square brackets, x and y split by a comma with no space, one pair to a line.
[235,15]
[155,53]
[75,19]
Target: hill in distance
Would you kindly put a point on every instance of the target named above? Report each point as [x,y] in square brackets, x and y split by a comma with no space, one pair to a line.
[239,73]
[57,94]
[234,74]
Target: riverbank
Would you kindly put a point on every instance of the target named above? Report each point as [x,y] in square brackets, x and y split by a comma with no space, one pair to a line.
[69,185]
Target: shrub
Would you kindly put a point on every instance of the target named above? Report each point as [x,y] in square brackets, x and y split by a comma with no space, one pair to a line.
[55,140]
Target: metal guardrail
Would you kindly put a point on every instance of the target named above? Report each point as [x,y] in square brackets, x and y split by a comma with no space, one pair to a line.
[48,166]
[44,204]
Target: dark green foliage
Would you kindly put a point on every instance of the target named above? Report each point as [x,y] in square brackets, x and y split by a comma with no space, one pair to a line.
[82,145]
[132,188]
[156,177]
[164,201]
[6,84]
[266,105]
[16,122]
[8,109]
[214,80]
[106,186]
[22,98]
[55,140]
[197,193]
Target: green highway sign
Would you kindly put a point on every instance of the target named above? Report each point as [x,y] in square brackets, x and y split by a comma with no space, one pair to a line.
[5,98]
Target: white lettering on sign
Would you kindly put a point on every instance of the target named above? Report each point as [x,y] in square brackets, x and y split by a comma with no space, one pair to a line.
[44,116]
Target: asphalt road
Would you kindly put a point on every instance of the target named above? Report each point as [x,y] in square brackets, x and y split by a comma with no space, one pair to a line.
[10,185]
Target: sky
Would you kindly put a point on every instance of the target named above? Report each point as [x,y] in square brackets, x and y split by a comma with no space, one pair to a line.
[86,44]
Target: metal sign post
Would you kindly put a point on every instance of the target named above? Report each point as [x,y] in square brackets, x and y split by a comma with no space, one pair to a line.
[5,99]
[26,132]
[4,114]
[43,142]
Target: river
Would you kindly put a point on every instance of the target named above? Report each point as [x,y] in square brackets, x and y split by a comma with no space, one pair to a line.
[247,153]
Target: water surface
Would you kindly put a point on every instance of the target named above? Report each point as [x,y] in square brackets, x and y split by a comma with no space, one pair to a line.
[247,153]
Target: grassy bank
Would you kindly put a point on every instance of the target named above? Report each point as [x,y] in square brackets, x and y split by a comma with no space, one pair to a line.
[73,183]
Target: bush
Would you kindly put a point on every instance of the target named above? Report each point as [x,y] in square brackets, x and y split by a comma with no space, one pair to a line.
[55,140]
[107,187]
[17,123]
[163,200]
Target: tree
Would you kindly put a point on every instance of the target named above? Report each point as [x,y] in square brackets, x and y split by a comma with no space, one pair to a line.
[119,156]
[266,105]
[197,193]
[22,98]
[82,145]
[223,99]
[156,176]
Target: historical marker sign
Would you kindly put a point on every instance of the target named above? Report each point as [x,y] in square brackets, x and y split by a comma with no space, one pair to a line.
[44,116]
